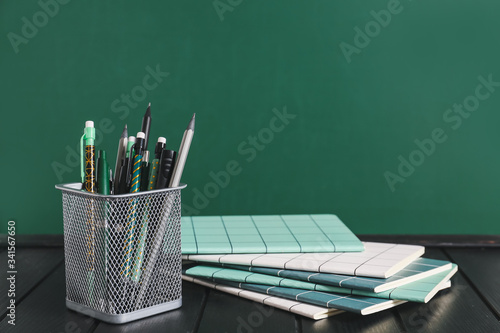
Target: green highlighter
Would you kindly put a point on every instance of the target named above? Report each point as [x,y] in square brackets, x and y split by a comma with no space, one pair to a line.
[102,173]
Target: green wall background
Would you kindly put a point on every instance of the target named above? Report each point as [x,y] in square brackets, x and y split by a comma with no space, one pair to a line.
[233,65]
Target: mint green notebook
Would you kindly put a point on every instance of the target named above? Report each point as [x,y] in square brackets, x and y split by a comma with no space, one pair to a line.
[267,234]
[419,291]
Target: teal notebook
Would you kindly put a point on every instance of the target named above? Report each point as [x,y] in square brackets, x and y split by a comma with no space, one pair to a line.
[357,304]
[419,291]
[307,310]
[267,234]
[417,270]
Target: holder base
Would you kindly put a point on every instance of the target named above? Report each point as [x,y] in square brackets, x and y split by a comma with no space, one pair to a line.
[126,317]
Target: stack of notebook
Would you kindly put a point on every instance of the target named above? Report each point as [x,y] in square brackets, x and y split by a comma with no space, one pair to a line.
[311,265]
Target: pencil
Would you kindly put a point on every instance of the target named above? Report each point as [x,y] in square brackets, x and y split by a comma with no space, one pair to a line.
[183,153]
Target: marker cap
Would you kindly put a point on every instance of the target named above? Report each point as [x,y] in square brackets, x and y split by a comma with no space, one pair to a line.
[141,135]
[89,133]
[162,140]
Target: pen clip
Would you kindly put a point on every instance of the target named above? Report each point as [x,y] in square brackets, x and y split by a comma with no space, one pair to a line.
[82,172]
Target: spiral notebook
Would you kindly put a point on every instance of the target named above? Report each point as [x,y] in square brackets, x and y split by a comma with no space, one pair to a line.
[267,234]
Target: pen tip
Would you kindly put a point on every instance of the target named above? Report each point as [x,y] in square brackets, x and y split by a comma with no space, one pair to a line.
[148,111]
[125,132]
[191,123]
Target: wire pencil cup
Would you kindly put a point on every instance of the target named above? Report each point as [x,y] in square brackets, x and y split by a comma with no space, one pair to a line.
[122,252]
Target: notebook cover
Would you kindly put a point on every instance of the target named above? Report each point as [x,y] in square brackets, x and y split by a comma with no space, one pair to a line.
[417,270]
[379,260]
[267,234]
[419,291]
[303,309]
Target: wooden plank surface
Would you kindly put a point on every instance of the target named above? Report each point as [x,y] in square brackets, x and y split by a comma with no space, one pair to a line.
[482,268]
[382,322]
[441,241]
[44,310]
[32,266]
[181,320]
[464,308]
[228,313]
[458,309]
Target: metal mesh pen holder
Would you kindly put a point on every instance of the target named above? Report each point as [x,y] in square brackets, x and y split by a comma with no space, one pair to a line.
[122,252]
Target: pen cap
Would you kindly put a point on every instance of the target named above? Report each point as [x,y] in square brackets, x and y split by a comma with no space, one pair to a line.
[102,173]
[89,132]
[101,154]
[139,143]
[166,167]
[160,145]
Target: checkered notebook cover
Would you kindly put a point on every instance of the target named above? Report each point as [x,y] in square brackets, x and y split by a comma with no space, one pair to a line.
[357,304]
[303,309]
[267,234]
[419,291]
[379,260]
[417,270]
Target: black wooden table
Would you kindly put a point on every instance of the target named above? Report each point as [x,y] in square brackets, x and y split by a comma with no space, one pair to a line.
[471,305]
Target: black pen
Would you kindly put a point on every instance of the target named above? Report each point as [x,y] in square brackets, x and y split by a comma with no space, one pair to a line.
[146,126]
[165,168]
[160,145]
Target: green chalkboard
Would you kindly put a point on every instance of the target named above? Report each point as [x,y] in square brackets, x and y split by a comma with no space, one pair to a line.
[383,112]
